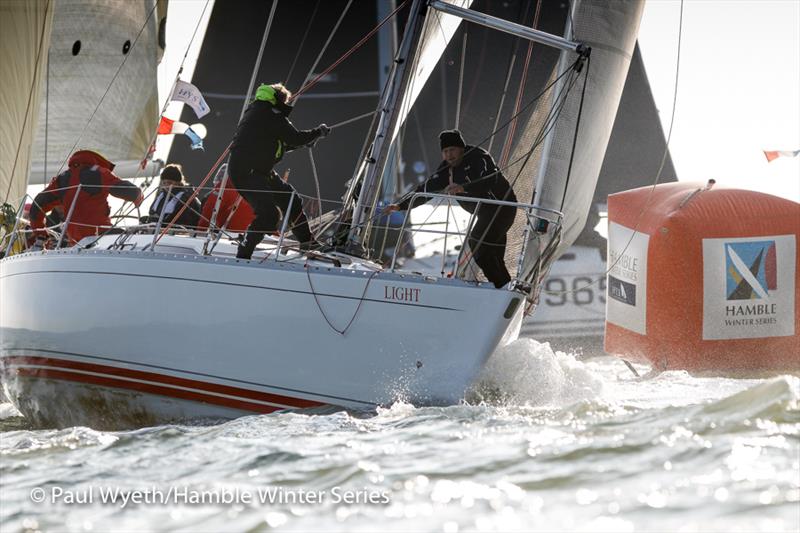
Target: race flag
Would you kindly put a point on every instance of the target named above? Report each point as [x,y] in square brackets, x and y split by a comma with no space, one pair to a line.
[772,155]
[197,142]
[165,126]
[195,132]
[189,94]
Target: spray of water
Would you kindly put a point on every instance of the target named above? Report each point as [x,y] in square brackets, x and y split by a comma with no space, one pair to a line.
[527,372]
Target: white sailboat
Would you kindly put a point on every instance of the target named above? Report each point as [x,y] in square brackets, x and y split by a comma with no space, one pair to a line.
[141,328]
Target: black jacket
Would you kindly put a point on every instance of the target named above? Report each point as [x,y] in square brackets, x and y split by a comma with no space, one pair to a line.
[265,134]
[179,196]
[477,173]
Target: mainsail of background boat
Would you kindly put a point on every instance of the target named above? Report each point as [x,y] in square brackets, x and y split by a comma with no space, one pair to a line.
[100,88]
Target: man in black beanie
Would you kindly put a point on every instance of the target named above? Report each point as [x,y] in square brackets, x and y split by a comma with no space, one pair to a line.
[470,171]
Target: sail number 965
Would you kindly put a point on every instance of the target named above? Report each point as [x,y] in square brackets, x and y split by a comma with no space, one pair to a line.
[580,290]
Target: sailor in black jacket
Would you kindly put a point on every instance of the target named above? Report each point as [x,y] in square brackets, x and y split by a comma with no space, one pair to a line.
[173,194]
[263,136]
[470,171]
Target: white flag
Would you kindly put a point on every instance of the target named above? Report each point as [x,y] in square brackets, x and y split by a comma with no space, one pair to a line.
[189,94]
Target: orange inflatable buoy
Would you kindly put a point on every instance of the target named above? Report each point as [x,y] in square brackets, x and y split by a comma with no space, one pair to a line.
[708,282]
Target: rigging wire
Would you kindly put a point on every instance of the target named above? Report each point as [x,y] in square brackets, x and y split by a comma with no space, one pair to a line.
[502,98]
[302,42]
[316,178]
[461,76]
[575,135]
[327,42]
[30,99]
[658,174]
[341,332]
[520,91]
[347,54]
[260,55]
[46,117]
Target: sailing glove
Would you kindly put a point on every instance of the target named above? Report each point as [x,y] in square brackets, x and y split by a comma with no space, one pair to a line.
[324,130]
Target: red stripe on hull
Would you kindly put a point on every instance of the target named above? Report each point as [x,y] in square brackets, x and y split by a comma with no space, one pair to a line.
[158,378]
[144,387]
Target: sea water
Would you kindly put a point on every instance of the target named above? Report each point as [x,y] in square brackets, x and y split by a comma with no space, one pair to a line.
[543,442]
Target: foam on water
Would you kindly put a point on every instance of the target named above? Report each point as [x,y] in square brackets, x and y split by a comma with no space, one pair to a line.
[527,372]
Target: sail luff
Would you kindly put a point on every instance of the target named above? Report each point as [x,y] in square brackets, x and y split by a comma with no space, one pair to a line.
[25,29]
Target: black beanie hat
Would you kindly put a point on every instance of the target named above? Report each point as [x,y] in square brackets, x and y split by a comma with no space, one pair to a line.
[451,138]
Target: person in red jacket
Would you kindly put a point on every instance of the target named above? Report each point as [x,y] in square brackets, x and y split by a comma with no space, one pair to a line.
[90,215]
[242,215]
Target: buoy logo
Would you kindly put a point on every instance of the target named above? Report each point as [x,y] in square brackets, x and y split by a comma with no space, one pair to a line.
[749,287]
[751,270]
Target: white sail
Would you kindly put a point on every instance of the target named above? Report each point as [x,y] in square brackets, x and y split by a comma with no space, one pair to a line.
[437,31]
[24,40]
[79,102]
[422,48]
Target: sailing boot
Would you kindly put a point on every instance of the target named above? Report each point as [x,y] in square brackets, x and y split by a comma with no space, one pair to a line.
[246,248]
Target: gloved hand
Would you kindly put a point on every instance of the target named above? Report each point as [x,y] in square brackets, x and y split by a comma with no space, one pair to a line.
[324,130]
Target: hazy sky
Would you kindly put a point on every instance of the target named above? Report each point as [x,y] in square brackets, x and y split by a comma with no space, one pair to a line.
[738,90]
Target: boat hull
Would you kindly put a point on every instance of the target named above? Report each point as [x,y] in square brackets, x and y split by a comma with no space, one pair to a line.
[154,337]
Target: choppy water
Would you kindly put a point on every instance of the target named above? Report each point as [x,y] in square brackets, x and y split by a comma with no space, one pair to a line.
[547,443]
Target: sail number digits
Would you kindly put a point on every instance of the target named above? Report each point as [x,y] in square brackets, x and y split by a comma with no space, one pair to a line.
[582,291]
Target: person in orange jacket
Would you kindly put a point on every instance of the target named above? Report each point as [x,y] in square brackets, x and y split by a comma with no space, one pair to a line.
[90,215]
[231,201]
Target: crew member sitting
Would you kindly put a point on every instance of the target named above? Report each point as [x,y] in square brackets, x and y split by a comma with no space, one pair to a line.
[172,195]
[86,182]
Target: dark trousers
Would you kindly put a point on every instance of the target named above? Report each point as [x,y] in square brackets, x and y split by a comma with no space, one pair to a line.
[487,240]
[266,193]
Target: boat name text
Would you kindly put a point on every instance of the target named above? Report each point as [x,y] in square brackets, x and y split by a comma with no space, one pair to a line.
[401,294]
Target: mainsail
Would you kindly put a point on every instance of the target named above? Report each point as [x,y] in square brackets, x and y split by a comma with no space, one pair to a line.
[24,40]
[100,88]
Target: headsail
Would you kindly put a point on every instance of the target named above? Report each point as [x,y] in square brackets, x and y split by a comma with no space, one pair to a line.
[90,41]
[24,40]
[421,48]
